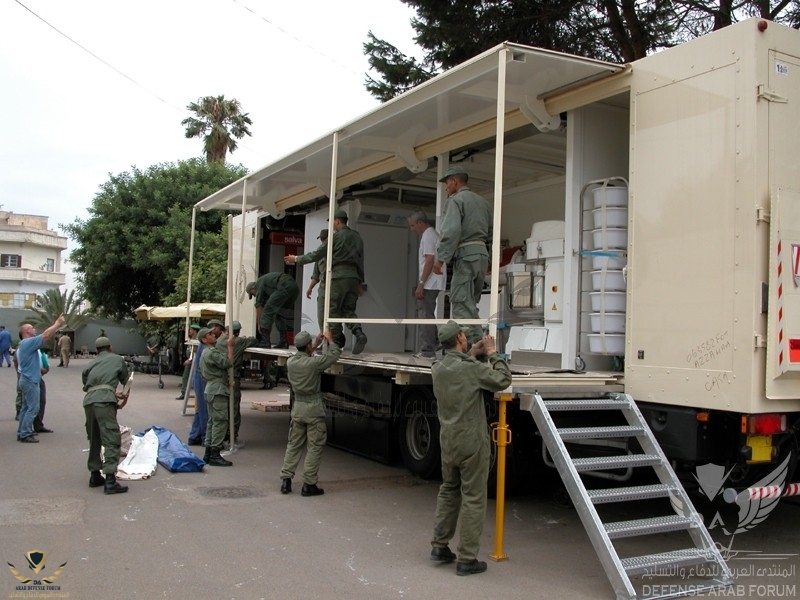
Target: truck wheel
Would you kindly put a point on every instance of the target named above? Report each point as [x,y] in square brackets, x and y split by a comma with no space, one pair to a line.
[418,432]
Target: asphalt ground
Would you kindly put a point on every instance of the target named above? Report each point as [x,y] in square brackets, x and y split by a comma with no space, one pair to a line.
[229,533]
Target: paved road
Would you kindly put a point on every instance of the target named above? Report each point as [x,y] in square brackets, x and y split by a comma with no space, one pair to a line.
[229,533]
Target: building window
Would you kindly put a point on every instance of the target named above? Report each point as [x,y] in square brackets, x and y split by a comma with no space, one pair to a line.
[13,261]
[50,265]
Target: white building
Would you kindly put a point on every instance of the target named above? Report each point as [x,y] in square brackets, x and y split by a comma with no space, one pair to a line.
[30,259]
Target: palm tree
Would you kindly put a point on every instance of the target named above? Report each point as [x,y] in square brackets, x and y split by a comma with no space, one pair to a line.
[53,303]
[221,122]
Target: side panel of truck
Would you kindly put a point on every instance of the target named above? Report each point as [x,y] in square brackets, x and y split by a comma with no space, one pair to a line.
[697,255]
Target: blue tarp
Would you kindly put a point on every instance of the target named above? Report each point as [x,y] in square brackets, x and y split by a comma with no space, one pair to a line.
[173,454]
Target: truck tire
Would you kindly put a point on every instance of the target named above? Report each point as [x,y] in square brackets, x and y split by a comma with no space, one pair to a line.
[418,436]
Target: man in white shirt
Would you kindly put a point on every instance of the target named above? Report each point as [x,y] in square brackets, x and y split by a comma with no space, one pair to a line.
[429,284]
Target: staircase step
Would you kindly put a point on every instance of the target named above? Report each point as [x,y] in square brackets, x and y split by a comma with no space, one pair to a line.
[650,563]
[587,404]
[600,463]
[611,431]
[626,494]
[620,529]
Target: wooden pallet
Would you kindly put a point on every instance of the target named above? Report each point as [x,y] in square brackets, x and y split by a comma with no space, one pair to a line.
[270,405]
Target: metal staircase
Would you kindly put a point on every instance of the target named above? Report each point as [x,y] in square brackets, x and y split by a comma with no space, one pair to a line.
[668,573]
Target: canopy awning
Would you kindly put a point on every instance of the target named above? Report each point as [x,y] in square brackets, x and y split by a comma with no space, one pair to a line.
[456,108]
[201,310]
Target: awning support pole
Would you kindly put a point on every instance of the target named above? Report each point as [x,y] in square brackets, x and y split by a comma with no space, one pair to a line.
[189,278]
[502,58]
[331,232]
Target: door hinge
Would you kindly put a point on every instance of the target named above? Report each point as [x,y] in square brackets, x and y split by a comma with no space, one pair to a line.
[766,94]
[759,341]
[762,215]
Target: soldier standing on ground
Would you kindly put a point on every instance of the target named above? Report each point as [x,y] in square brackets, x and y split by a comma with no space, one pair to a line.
[241,343]
[214,366]
[466,229]
[65,349]
[458,383]
[100,405]
[307,428]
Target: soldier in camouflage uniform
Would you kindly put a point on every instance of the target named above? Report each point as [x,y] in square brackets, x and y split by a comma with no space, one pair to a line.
[100,405]
[347,278]
[466,228]
[308,412]
[240,344]
[214,365]
[458,383]
[273,292]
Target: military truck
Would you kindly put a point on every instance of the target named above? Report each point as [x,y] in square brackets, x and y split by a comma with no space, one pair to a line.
[646,242]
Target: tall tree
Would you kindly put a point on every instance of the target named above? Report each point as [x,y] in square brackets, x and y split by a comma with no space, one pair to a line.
[450,32]
[132,247]
[220,123]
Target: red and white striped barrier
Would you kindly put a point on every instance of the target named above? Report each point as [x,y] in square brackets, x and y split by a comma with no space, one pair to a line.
[760,493]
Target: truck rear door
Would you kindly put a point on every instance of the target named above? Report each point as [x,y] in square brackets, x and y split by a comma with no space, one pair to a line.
[783,328]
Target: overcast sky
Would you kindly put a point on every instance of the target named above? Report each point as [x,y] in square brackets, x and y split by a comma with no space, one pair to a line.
[69,119]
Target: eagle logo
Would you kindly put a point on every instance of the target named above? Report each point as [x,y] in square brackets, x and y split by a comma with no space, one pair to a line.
[752,511]
[36,562]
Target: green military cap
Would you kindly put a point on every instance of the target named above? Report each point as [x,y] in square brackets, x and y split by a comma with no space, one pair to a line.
[302,339]
[102,342]
[323,235]
[250,286]
[450,330]
[203,333]
[194,326]
[213,322]
[456,170]
[236,326]
[340,214]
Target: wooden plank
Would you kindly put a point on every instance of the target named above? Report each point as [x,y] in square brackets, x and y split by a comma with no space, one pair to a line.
[270,405]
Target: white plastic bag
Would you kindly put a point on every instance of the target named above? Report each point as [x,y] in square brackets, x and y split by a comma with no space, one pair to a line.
[141,461]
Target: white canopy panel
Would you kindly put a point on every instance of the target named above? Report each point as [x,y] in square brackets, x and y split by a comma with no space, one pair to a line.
[452,110]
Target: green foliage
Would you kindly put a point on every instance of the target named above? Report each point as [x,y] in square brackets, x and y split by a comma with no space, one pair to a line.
[400,72]
[53,303]
[209,271]
[220,123]
[450,33]
[133,247]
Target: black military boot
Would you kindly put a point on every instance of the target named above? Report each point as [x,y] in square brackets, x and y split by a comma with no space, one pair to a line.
[472,567]
[340,341]
[286,486]
[207,455]
[311,489]
[216,459]
[112,487]
[283,342]
[361,341]
[96,479]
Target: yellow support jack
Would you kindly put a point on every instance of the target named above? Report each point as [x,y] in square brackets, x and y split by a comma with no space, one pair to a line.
[501,436]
